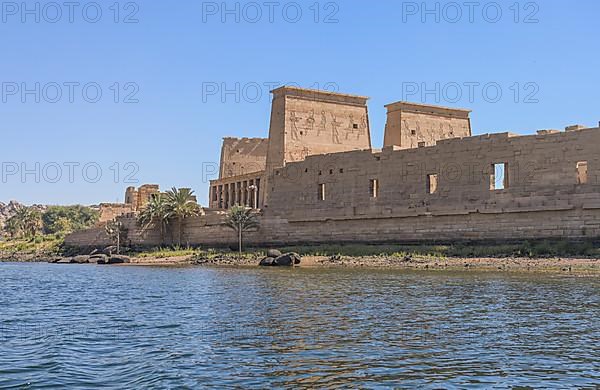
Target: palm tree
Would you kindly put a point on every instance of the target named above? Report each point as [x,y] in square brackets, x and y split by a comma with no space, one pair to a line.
[181,204]
[116,232]
[26,221]
[155,213]
[241,219]
[13,227]
[33,223]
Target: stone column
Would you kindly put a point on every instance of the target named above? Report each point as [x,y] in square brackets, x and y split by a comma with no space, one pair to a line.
[258,205]
[251,195]
[235,194]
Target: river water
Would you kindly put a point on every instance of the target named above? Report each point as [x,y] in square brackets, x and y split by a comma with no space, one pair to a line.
[131,327]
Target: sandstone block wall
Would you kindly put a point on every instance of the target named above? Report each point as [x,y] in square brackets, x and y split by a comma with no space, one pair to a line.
[411,125]
[110,211]
[306,122]
[135,200]
[552,191]
[543,174]
[206,230]
[138,198]
[241,156]
[210,231]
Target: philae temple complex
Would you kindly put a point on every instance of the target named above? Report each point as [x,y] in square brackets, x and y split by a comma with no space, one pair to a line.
[318,179]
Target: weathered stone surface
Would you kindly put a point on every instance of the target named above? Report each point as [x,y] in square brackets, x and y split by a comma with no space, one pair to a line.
[274,253]
[82,259]
[288,260]
[99,259]
[240,156]
[411,125]
[267,262]
[135,200]
[119,259]
[65,260]
[284,261]
[109,250]
[297,258]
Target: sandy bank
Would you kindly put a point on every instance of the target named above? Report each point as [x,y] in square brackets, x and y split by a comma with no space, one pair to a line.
[508,264]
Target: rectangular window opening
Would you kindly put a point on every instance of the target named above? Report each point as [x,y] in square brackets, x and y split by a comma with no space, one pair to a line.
[499,177]
[374,188]
[321,191]
[582,172]
[432,183]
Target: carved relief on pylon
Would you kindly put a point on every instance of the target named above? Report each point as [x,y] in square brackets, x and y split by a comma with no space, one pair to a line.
[335,135]
[295,133]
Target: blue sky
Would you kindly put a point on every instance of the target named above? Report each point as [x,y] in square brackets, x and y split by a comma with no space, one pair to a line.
[171,65]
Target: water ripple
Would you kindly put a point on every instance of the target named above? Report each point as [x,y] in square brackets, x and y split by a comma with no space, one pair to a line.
[86,327]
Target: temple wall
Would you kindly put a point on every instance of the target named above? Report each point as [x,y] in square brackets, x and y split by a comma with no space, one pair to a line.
[551,191]
[558,222]
[241,156]
[110,211]
[320,181]
[244,190]
[308,122]
[412,125]
[319,124]
[542,172]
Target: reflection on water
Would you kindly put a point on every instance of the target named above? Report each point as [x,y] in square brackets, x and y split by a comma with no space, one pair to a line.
[86,326]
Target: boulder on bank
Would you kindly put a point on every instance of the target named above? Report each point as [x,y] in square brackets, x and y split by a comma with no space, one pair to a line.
[82,259]
[109,250]
[274,253]
[119,259]
[99,259]
[297,258]
[267,262]
[284,261]
[288,260]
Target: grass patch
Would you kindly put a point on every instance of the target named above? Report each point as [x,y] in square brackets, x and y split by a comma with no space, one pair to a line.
[209,254]
[167,252]
[538,249]
[40,245]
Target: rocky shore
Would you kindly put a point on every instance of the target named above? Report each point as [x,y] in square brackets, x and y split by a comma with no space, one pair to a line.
[96,257]
[100,258]
[579,266]
[506,264]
